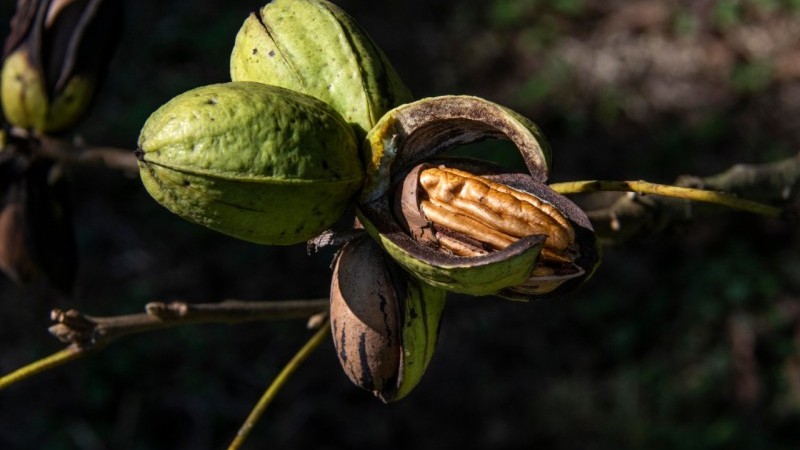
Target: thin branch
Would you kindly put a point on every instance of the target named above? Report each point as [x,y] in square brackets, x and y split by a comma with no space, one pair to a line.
[277,384]
[75,327]
[89,333]
[642,187]
[57,359]
[632,215]
[79,154]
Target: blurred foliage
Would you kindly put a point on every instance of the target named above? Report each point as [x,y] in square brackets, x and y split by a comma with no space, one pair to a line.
[686,340]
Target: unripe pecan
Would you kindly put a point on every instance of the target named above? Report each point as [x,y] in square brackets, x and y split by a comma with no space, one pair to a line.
[54,59]
[257,162]
[314,47]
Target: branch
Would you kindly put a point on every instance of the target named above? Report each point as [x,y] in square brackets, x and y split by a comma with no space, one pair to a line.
[633,215]
[86,334]
[79,154]
[88,331]
[58,358]
[642,187]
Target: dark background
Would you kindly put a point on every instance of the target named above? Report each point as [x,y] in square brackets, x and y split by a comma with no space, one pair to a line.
[687,339]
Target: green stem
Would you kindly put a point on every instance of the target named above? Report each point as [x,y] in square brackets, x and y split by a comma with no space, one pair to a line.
[277,384]
[42,365]
[644,187]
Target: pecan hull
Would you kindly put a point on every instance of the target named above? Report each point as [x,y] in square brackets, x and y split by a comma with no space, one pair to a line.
[417,133]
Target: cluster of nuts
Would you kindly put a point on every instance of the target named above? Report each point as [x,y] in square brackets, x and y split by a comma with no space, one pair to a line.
[316,120]
[54,58]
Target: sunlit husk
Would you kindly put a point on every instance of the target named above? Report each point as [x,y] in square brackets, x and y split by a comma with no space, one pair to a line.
[419,132]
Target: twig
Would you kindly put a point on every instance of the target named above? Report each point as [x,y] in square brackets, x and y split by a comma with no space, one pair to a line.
[75,327]
[89,333]
[646,188]
[58,358]
[632,215]
[78,154]
[277,384]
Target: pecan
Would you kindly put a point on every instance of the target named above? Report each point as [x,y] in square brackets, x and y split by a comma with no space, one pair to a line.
[384,322]
[493,213]
[471,215]
[481,229]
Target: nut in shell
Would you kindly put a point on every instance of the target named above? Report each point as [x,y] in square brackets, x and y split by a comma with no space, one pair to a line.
[384,323]
[465,225]
[36,232]
[469,215]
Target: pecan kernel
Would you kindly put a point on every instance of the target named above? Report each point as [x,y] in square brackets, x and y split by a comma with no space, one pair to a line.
[492,213]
